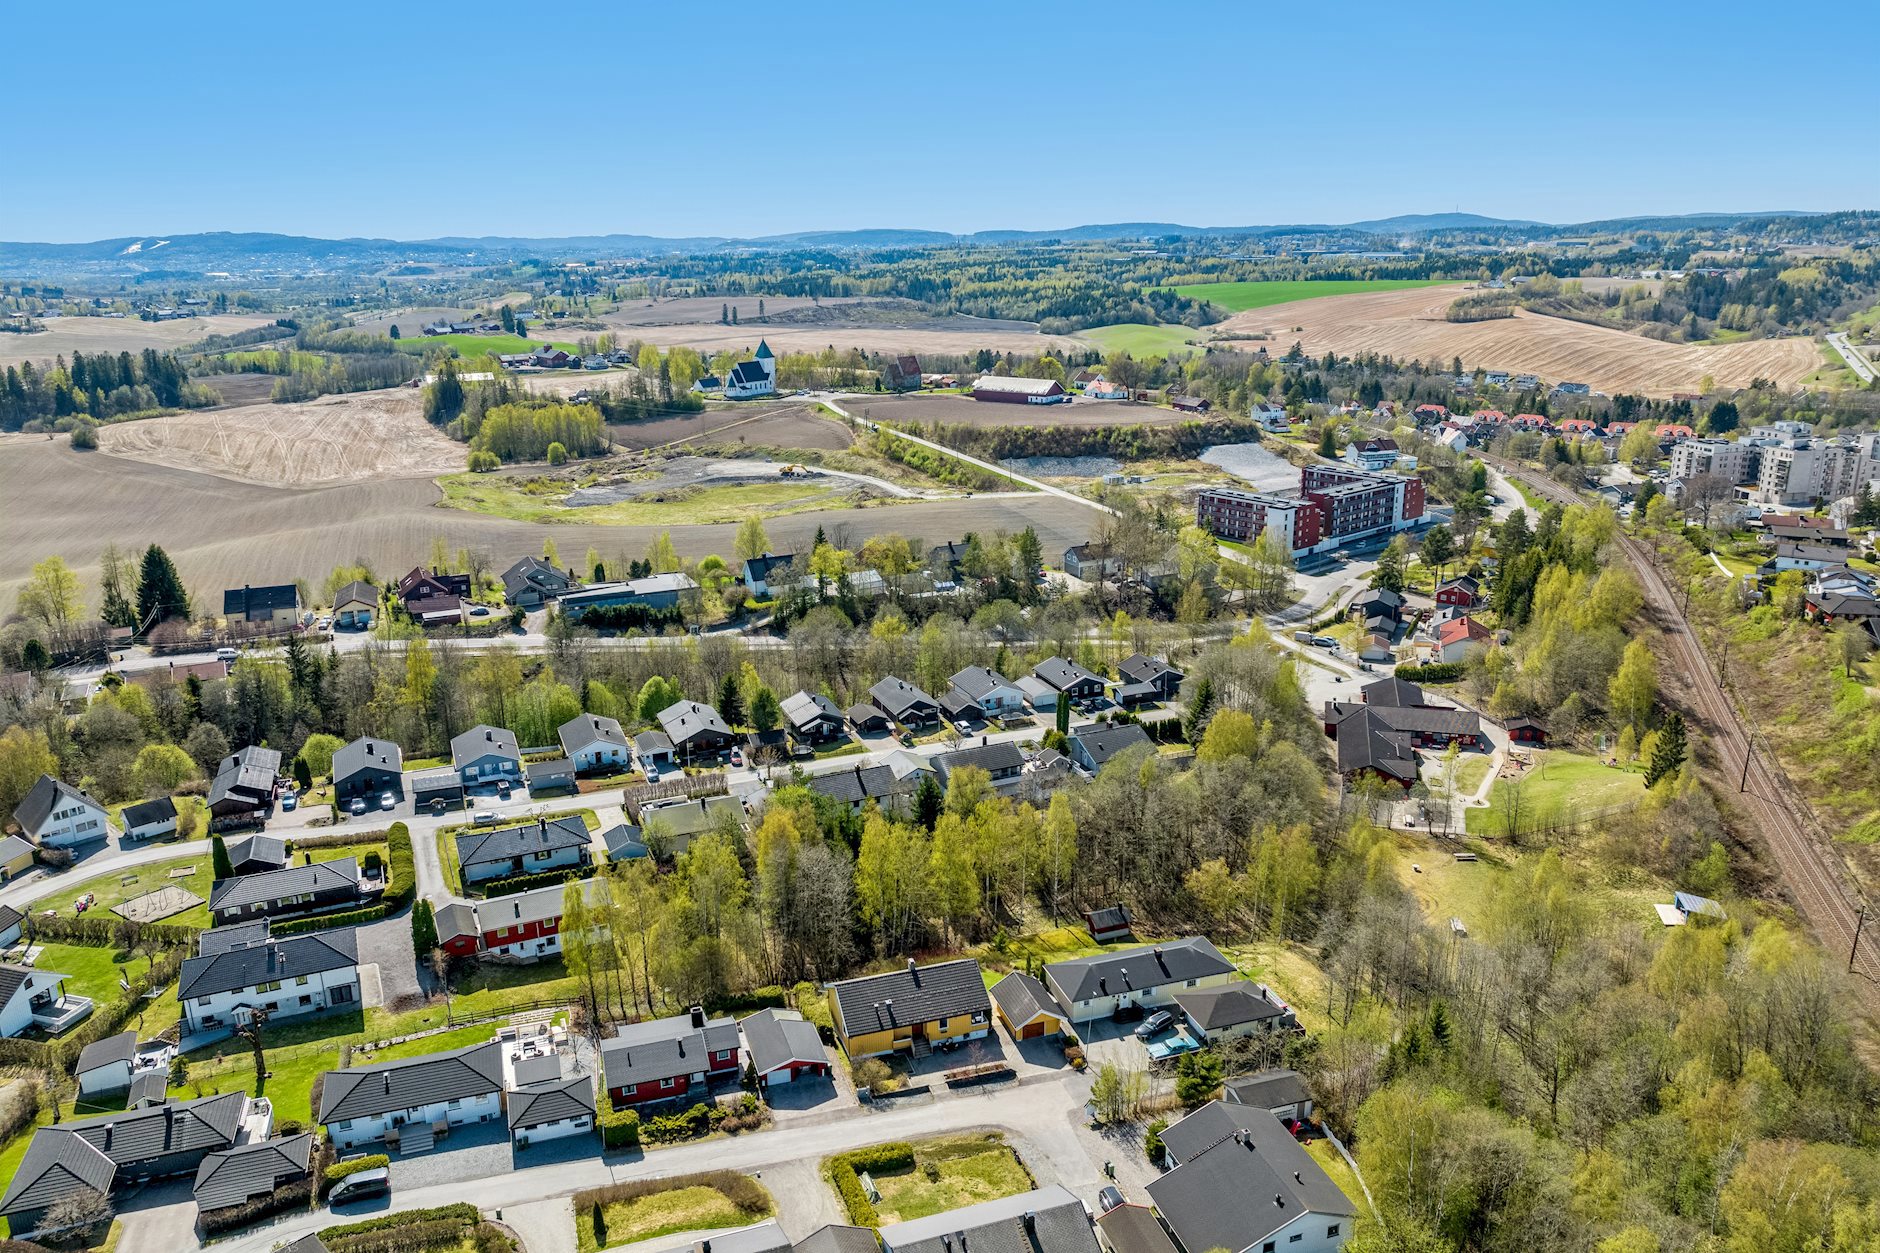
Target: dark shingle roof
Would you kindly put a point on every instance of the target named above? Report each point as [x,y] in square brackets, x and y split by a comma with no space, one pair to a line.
[1135,1229]
[978,682]
[1365,742]
[923,994]
[805,708]
[363,1091]
[1151,966]
[625,842]
[457,919]
[9,916]
[992,758]
[861,783]
[1414,719]
[1267,1089]
[367,752]
[209,1122]
[1392,693]
[1109,918]
[1233,1191]
[113,1048]
[235,935]
[267,849]
[249,1170]
[1217,1009]
[357,590]
[590,729]
[539,1103]
[1023,998]
[543,835]
[1142,669]
[1105,742]
[1062,674]
[270,885]
[1057,1222]
[663,1048]
[540,771]
[144,813]
[686,719]
[483,741]
[838,1238]
[777,1037]
[247,600]
[44,797]
[895,697]
[57,1164]
[288,957]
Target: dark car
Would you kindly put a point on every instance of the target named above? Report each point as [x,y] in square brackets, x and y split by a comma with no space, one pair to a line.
[1155,1024]
[1109,1199]
[361,1186]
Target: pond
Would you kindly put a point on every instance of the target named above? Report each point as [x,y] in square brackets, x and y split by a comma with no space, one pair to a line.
[1254,465]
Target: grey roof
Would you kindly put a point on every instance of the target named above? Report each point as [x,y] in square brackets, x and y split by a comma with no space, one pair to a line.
[144,813]
[246,1171]
[254,780]
[269,885]
[1235,1190]
[560,767]
[760,567]
[357,590]
[542,835]
[367,752]
[804,708]
[1058,1223]
[764,1237]
[902,996]
[306,1244]
[860,784]
[9,916]
[1413,719]
[978,682]
[1023,998]
[866,712]
[44,797]
[455,919]
[533,572]
[895,697]
[436,779]
[235,935]
[624,842]
[651,742]
[1267,1089]
[1062,674]
[148,1088]
[254,757]
[535,905]
[57,1164]
[100,1053]
[590,729]
[363,1091]
[209,1122]
[664,1048]
[777,1037]
[538,1103]
[1144,669]
[1365,742]
[11,978]
[678,823]
[1151,966]
[483,741]
[251,965]
[1105,742]
[268,849]
[1109,918]
[682,720]
[1392,693]
[992,758]
[839,1238]
[1233,1005]
[1135,1229]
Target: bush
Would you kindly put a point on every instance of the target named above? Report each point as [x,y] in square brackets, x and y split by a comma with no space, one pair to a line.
[524,882]
[741,1190]
[462,1212]
[324,922]
[297,1195]
[1435,672]
[436,1233]
[339,1170]
[620,1128]
[1152,1141]
[557,454]
[483,462]
[844,1172]
[85,435]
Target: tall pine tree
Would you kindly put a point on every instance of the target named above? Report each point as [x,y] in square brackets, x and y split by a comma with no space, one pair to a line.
[1669,753]
[160,594]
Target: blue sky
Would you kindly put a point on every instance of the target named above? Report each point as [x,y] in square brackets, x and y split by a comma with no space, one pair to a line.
[464,118]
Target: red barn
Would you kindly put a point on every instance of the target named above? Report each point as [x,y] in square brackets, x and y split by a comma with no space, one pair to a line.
[1526,731]
[668,1058]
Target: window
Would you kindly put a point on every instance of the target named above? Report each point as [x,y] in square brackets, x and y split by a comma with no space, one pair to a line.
[301,982]
[1295,1237]
[1331,1231]
[1192,982]
[545,854]
[1269,1246]
[306,1000]
[667,1083]
[270,986]
[202,1002]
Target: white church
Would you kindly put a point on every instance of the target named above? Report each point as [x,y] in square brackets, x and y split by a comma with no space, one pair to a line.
[756,377]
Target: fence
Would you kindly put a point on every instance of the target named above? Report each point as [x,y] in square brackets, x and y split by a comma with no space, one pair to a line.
[691,785]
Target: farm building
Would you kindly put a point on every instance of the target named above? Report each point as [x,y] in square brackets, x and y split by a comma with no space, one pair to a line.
[1018,391]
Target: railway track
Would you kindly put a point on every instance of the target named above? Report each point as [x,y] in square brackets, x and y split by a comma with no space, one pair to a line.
[1791,832]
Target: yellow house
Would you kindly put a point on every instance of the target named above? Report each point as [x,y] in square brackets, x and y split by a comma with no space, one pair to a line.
[910,1010]
[16,857]
[1026,1008]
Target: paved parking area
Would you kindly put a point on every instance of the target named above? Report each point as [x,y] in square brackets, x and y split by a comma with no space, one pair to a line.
[387,943]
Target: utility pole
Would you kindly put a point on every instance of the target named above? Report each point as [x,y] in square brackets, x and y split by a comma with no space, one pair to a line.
[1749,749]
[1860,922]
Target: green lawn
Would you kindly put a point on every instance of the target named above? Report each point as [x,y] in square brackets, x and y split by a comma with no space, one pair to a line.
[1239,297]
[1470,771]
[477,345]
[969,1169]
[116,887]
[662,1214]
[1558,785]
[1140,339]
[518,500]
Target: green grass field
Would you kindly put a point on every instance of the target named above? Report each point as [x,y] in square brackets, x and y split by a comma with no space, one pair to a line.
[477,345]
[1139,339]
[1239,297]
[970,1169]
[514,499]
[1558,785]
[694,1208]
[119,886]
[94,970]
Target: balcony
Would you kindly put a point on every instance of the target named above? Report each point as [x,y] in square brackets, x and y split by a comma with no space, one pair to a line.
[56,1015]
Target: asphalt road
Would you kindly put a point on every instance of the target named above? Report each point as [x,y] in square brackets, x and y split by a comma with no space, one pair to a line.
[1857,361]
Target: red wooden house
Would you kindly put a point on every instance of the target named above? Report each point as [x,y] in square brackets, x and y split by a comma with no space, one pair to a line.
[1461,591]
[457,930]
[1526,731]
[669,1058]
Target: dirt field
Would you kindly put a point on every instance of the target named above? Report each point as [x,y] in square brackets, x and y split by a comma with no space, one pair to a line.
[69,335]
[966,411]
[1409,325]
[224,534]
[336,439]
[773,426]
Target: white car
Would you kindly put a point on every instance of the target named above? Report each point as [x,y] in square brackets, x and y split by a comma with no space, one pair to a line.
[388,801]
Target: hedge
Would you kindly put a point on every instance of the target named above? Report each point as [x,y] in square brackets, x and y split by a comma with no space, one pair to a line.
[526,882]
[339,1170]
[620,1128]
[703,1119]
[295,1196]
[336,839]
[844,1172]
[437,1233]
[321,922]
[741,1190]
[404,869]
[98,930]
[460,1210]
[1435,672]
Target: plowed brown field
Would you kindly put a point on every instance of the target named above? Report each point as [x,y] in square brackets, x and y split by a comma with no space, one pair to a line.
[1409,326]
[68,335]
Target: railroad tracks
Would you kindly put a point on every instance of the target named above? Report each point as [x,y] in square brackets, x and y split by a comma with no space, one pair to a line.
[1794,837]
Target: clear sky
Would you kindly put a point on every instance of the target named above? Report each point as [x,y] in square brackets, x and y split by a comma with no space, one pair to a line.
[411,120]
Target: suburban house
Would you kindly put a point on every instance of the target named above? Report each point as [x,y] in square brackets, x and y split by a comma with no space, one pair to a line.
[551,1109]
[868,719]
[1003,761]
[434,597]
[309,889]
[1110,924]
[993,695]
[655,591]
[1234,1009]
[1462,591]
[104,1066]
[247,1172]
[148,820]
[1281,1093]
[1241,1182]
[695,729]
[1049,1220]
[257,854]
[355,606]
[486,756]
[1151,672]
[127,1147]
[532,583]
[1372,454]
[1271,417]
[756,377]
[457,931]
[670,826]
[813,717]
[625,842]
[277,606]
[1092,746]
[234,975]
[1069,680]
[16,858]
[1399,706]
[594,743]
[654,749]
[1367,745]
[54,814]
[904,702]
[1096,987]
[1378,609]
[525,926]
[30,997]
[1457,637]
[783,1047]
[1026,1008]
[910,1009]
[542,846]
[661,1059]
[367,769]
[1088,562]
[242,793]
[857,786]
[407,1101]
[759,570]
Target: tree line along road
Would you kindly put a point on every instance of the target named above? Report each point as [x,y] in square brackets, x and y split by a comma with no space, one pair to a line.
[1769,798]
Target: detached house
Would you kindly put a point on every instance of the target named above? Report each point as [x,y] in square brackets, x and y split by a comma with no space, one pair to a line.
[433,597]
[668,827]
[695,729]
[235,974]
[813,717]
[316,888]
[243,791]
[247,1172]
[57,815]
[594,743]
[911,1009]
[662,1059]
[1241,1182]
[277,606]
[758,572]
[408,1101]
[532,583]
[356,607]
[1462,591]
[486,756]
[1003,762]
[1069,680]
[904,702]
[149,820]
[30,997]
[857,786]
[1091,747]
[543,846]
[1096,987]
[991,695]
[1152,674]
[368,768]
[525,926]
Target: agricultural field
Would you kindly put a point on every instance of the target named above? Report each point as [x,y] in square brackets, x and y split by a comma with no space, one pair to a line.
[65,336]
[1240,297]
[356,438]
[766,426]
[1409,325]
[476,345]
[965,411]
[1139,339]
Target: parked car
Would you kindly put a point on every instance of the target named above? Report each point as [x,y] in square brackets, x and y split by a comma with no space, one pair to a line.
[288,802]
[737,757]
[479,611]
[323,624]
[358,805]
[483,818]
[1155,1024]
[388,801]
[360,1186]
[226,654]
[1109,1199]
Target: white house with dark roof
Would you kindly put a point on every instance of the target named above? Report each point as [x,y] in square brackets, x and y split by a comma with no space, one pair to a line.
[537,848]
[104,1066]
[904,702]
[1241,1182]
[485,756]
[11,919]
[756,377]
[148,820]
[759,570]
[286,976]
[54,814]
[1096,987]
[1049,1220]
[992,694]
[550,1110]
[411,1097]
[592,743]
[30,997]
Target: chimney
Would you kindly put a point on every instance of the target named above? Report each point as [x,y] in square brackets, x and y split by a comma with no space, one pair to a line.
[489,736]
[913,971]
[1103,985]
[1031,1222]
[1279,1200]
[698,1015]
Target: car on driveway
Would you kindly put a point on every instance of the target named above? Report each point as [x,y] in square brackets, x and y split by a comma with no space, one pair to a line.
[1108,1199]
[388,801]
[288,801]
[358,805]
[1155,1024]
[360,1186]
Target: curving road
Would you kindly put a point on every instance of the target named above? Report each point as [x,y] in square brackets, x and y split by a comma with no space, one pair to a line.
[1770,800]
[1857,360]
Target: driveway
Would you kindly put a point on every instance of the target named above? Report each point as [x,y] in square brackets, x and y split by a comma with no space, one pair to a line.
[387,943]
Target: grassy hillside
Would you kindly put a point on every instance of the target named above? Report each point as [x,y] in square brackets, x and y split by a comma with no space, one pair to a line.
[1140,339]
[1239,297]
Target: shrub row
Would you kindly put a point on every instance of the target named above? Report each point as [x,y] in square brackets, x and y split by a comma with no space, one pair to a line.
[99,930]
[404,869]
[293,1196]
[322,922]
[461,1211]
[620,1128]
[336,839]
[1435,672]
[741,1190]
[525,882]
[742,1003]
[339,1170]
[703,1119]
[437,1233]
[844,1172]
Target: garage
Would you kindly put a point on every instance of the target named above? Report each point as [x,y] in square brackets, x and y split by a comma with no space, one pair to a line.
[784,1047]
[1026,1008]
